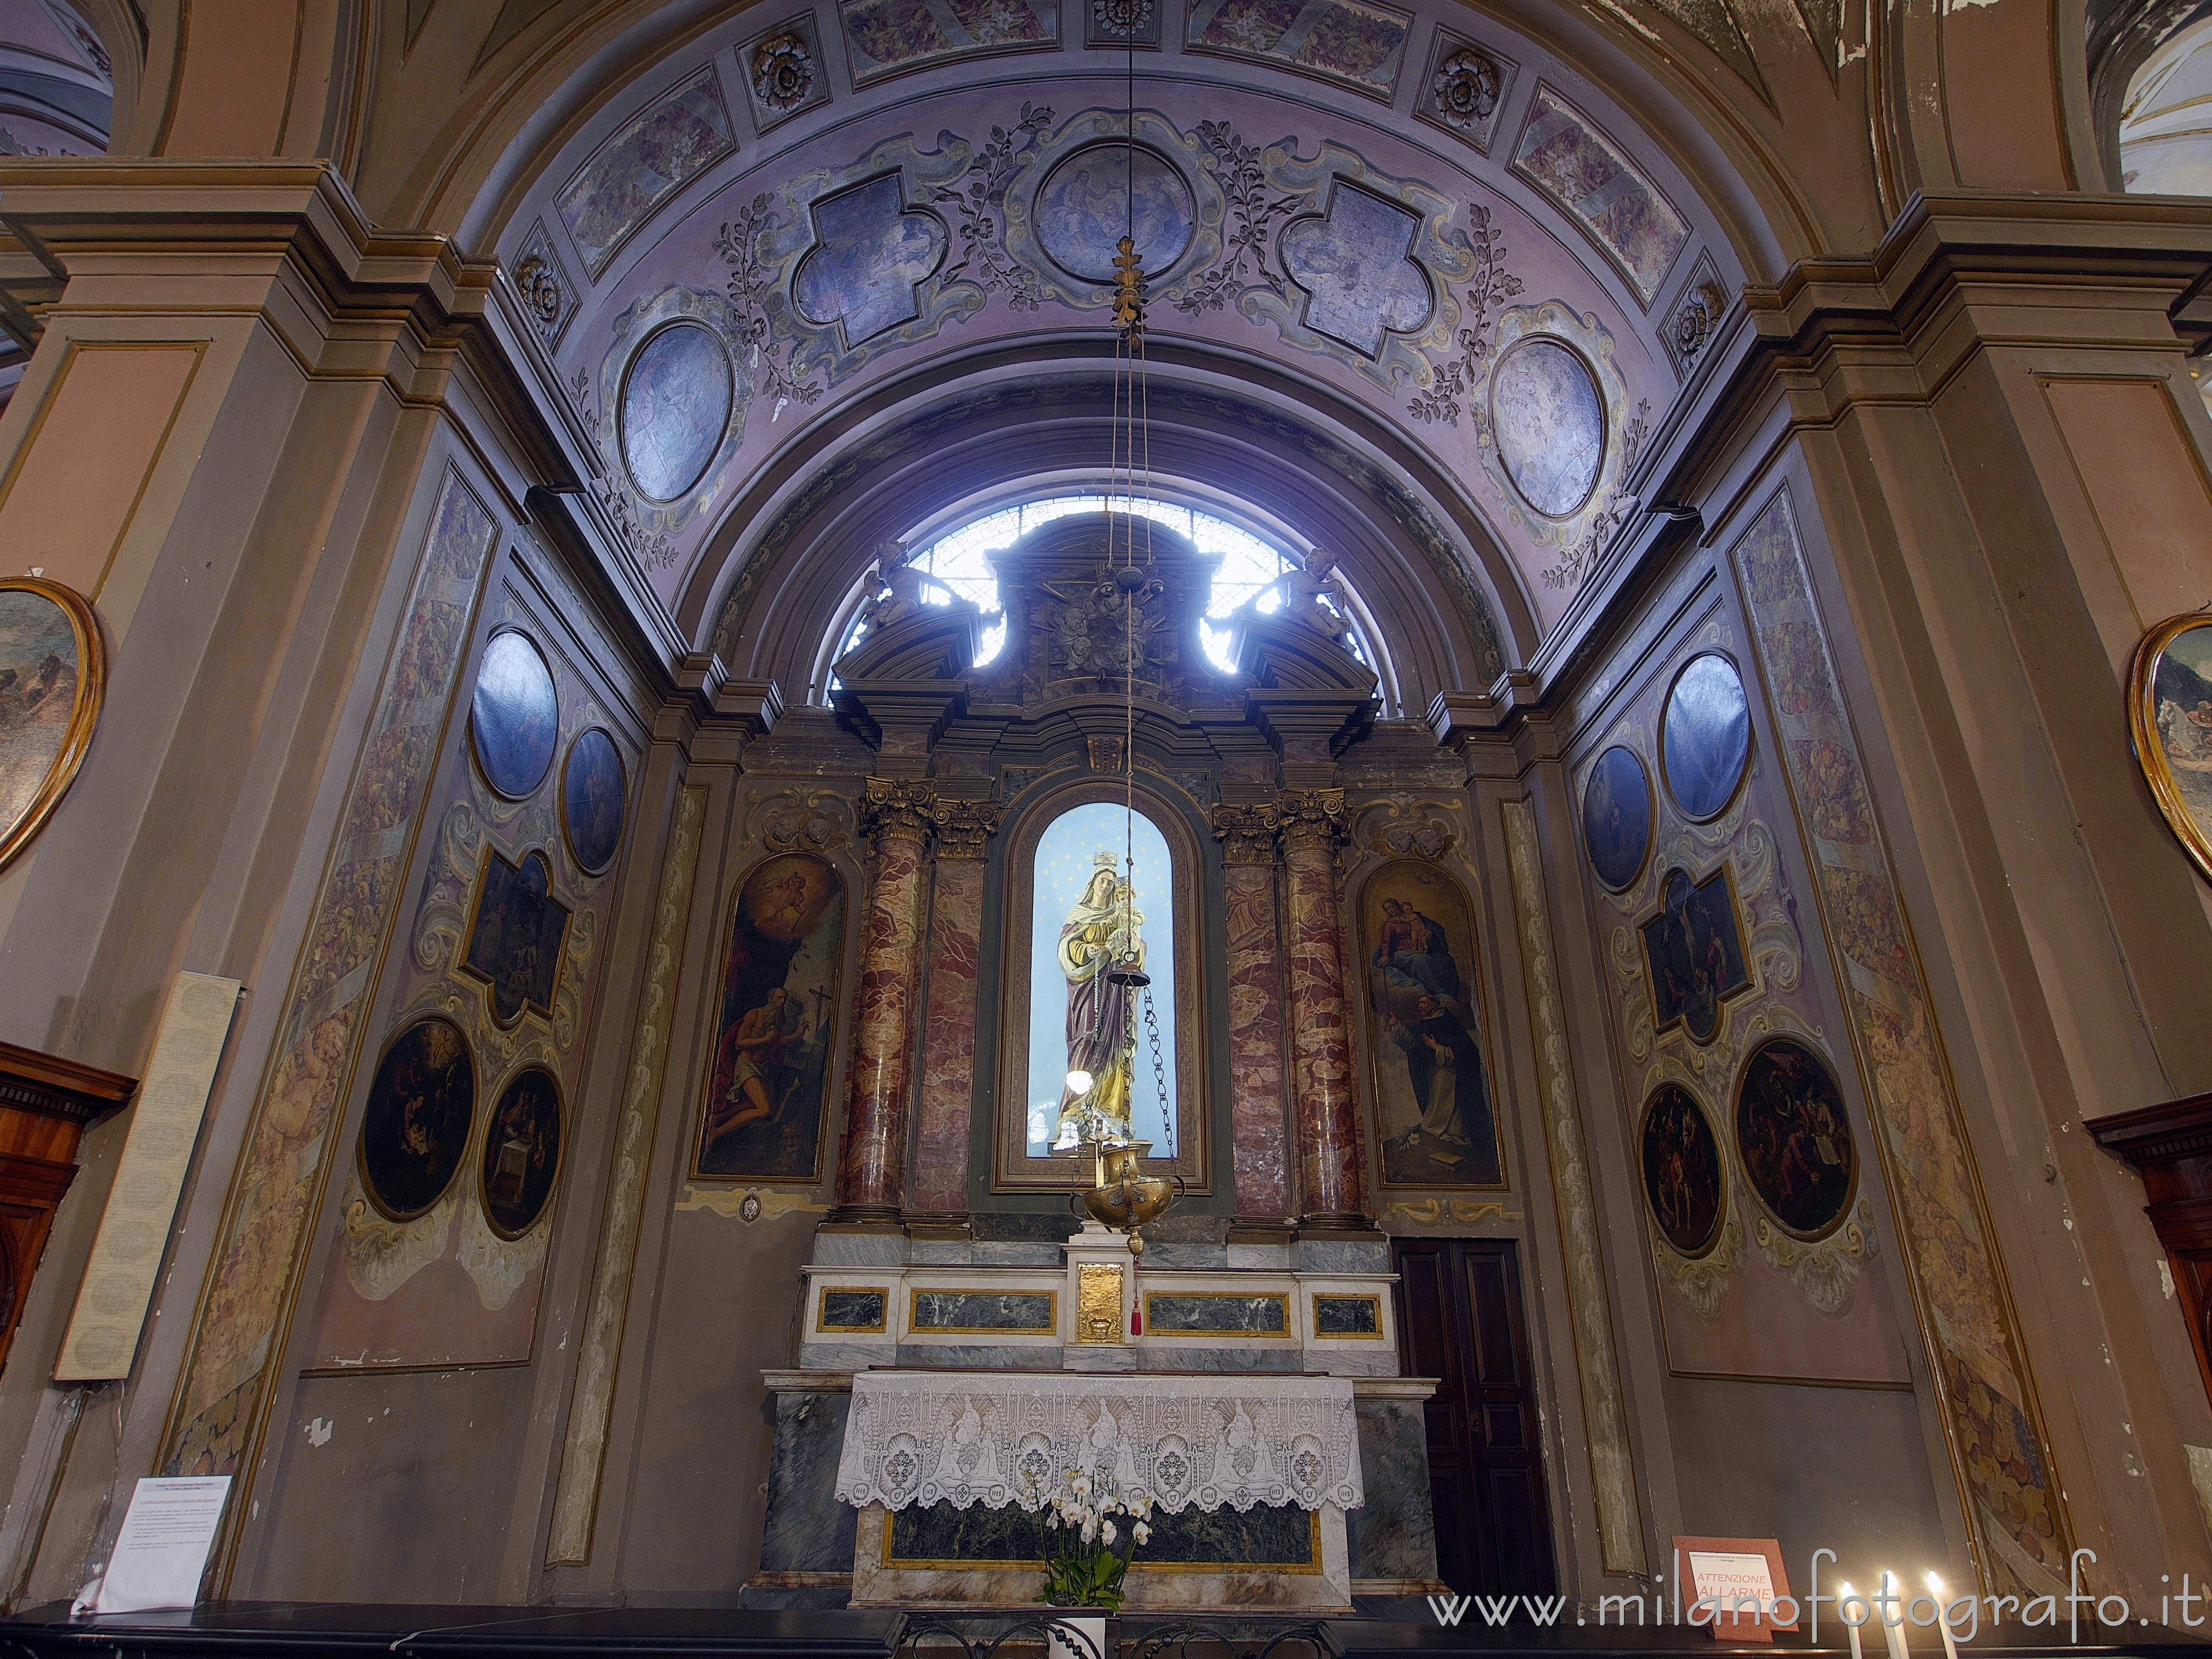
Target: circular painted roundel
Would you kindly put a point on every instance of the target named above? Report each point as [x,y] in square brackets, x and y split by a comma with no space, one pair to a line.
[1085,209]
[515,715]
[416,1124]
[1794,1139]
[522,1152]
[592,800]
[1550,423]
[1681,1169]
[1705,736]
[676,398]
[1617,816]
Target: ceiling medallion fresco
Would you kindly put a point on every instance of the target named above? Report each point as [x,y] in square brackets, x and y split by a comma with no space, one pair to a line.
[1065,206]
[670,412]
[1554,431]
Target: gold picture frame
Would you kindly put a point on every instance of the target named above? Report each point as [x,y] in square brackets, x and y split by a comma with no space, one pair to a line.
[2183,791]
[25,627]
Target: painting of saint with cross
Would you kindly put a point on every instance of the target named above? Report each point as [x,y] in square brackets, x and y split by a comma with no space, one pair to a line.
[763,1120]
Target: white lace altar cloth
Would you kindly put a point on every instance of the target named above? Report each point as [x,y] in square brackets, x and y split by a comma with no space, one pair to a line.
[996,1438]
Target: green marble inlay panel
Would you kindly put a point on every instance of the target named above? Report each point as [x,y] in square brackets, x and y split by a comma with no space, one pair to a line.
[1285,1540]
[1023,1314]
[1348,1315]
[1167,1314]
[852,1310]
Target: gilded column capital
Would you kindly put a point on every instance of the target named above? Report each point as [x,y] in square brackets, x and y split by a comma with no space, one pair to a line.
[1310,819]
[1247,833]
[964,828]
[897,809]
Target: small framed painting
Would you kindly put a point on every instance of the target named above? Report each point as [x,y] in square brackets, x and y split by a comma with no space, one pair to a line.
[54,673]
[2170,718]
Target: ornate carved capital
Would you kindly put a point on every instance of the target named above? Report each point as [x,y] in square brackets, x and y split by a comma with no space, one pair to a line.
[1310,819]
[897,809]
[964,827]
[1247,834]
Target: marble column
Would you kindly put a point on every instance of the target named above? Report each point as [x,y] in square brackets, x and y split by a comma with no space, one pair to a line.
[1331,1186]
[1260,1146]
[937,1187]
[894,815]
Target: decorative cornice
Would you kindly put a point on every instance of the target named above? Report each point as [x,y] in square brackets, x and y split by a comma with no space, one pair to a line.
[51,1086]
[964,828]
[897,809]
[1310,819]
[1247,833]
[2157,1134]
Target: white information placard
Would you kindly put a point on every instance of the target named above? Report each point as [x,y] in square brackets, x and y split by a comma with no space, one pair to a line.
[1732,1578]
[162,1549]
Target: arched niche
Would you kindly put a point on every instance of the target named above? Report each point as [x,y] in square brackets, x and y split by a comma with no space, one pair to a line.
[1029,913]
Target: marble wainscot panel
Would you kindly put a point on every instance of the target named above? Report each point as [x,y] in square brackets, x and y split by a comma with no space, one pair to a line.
[1392,1538]
[883,1578]
[807,1552]
[978,1315]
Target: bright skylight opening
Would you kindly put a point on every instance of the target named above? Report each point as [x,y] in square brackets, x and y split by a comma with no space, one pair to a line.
[958,564]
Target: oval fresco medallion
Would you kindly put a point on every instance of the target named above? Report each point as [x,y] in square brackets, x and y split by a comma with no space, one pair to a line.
[1705,736]
[1794,1139]
[1084,209]
[1550,421]
[2170,717]
[592,800]
[522,1152]
[515,716]
[1681,1169]
[416,1124]
[675,404]
[1617,816]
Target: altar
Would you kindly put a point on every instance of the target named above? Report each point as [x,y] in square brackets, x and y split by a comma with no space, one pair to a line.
[1250,1477]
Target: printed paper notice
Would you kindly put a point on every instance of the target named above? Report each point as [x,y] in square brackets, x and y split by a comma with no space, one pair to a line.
[163,1547]
[1730,1579]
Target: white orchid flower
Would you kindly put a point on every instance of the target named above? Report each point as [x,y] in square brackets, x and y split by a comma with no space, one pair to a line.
[1106,1531]
[1141,1533]
[1090,1532]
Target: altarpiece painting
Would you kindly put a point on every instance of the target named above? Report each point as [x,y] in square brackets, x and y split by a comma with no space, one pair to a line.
[764,1113]
[1425,1051]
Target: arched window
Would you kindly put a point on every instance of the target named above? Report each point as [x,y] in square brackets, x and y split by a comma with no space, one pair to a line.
[959,563]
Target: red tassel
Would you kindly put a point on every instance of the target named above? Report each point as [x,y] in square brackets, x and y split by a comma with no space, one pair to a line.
[1136,1319]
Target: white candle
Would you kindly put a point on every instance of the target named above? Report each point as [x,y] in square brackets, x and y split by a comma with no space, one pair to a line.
[1892,1630]
[1942,1624]
[1852,1626]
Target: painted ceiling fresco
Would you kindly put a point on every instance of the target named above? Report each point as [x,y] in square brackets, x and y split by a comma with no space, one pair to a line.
[1487,278]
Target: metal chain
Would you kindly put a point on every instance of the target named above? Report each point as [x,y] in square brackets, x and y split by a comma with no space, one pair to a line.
[1159,1067]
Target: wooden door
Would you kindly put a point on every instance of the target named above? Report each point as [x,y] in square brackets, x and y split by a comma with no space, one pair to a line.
[1459,1320]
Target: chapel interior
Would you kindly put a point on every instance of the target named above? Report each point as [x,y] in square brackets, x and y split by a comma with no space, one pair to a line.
[714,670]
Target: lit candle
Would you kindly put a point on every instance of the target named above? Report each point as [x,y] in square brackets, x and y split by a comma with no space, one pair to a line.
[1892,1630]
[1942,1624]
[1850,1625]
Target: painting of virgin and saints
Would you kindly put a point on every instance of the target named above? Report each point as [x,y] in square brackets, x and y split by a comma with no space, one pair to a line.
[764,1091]
[1104,887]
[1424,1023]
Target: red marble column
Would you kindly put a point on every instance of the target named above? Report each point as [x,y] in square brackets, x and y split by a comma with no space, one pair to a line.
[1332,1187]
[938,1184]
[1260,1153]
[878,1082]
